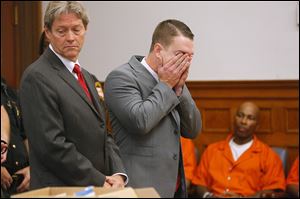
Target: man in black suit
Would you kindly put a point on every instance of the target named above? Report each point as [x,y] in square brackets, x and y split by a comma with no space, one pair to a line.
[68,140]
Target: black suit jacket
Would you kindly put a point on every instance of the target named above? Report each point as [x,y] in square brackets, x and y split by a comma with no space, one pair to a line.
[68,141]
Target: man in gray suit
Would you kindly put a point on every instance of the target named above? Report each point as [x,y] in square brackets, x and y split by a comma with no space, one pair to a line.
[150,107]
[64,121]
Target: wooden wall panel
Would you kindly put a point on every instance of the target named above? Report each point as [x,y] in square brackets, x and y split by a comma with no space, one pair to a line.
[278,101]
[216,120]
[20,32]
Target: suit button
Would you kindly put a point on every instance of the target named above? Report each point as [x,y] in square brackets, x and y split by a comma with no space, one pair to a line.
[175,156]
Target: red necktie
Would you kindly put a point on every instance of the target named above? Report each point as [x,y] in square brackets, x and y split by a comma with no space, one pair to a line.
[81,81]
[177,183]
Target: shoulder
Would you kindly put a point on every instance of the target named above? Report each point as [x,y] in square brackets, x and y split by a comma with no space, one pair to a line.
[38,67]
[129,67]
[123,72]
[215,147]
[266,150]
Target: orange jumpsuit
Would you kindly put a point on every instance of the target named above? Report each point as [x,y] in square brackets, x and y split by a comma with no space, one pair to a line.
[189,157]
[293,177]
[258,168]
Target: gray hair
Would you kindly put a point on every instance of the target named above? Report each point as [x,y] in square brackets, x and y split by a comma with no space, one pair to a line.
[56,8]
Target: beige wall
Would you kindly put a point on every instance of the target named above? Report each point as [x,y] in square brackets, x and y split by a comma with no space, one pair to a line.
[233,40]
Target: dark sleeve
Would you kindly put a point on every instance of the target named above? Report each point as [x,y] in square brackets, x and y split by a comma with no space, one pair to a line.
[114,159]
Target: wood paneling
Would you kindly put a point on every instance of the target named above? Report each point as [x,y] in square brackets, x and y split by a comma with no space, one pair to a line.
[278,101]
[20,32]
[8,63]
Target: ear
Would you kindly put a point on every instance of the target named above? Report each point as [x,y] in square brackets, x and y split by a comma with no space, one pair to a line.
[157,50]
[47,33]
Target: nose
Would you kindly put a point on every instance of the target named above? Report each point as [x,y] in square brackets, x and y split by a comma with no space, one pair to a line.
[70,36]
[244,120]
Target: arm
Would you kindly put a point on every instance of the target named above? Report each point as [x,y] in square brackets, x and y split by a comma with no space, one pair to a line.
[292,180]
[40,105]
[189,159]
[190,117]
[6,178]
[24,186]
[201,190]
[123,97]
[273,180]
[189,114]
[202,179]
[115,164]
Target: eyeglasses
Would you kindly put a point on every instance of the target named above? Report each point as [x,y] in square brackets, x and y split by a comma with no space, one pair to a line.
[4,146]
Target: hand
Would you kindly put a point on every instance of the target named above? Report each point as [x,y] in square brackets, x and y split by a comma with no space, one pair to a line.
[106,185]
[179,86]
[171,72]
[99,90]
[230,195]
[6,178]
[264,194]
[24,186]
[4,147]
[115,181]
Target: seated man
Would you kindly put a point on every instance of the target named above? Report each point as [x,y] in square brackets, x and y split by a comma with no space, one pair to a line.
[292,182]
[241,165]
[189,159]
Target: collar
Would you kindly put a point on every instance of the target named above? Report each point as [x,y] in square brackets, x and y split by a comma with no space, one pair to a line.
[255,147]
[151,71]
[69,64]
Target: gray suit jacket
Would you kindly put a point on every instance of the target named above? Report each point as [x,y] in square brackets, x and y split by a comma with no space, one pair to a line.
[147,120]
[69,144]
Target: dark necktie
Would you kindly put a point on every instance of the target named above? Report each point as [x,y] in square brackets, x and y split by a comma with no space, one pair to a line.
[81,81]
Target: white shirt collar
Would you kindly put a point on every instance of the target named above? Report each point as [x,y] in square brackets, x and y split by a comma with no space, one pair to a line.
[153,73]
[69,64]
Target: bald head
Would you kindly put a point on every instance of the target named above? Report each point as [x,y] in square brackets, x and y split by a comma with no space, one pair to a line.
[252,107]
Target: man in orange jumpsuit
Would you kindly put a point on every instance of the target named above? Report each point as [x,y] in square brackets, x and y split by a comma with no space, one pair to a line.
[292,182]
[241,165]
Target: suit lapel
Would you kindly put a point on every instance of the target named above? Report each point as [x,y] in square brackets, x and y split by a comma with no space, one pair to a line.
[68,77]
[95,97]
[72,82]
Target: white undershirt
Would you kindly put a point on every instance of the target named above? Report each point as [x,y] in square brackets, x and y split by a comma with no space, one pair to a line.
[237,150]
[153,73]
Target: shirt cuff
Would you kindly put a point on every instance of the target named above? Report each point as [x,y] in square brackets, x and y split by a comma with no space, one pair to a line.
[122,174]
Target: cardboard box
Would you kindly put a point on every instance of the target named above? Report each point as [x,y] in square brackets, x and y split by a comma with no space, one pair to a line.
[69,192]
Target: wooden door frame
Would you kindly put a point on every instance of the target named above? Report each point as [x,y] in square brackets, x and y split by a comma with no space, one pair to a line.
[21,25]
